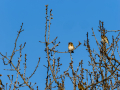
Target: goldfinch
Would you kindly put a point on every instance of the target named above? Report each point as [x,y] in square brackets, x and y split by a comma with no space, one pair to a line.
[70,47]
[104,39]
[80,86]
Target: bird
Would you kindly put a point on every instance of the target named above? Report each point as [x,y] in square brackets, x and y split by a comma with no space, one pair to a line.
[104,39]
[71,47]
[80,86]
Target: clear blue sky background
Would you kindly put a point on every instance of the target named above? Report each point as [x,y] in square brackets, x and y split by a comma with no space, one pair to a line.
[72,20]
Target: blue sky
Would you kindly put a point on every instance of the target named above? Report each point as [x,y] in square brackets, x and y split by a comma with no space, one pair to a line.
[71,22]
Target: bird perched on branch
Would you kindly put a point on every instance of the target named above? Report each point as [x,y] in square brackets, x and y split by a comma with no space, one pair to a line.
[80,86]
[104,39]
[70,47]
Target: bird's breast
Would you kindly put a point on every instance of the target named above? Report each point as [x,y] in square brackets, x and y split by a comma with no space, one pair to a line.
[70,47]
